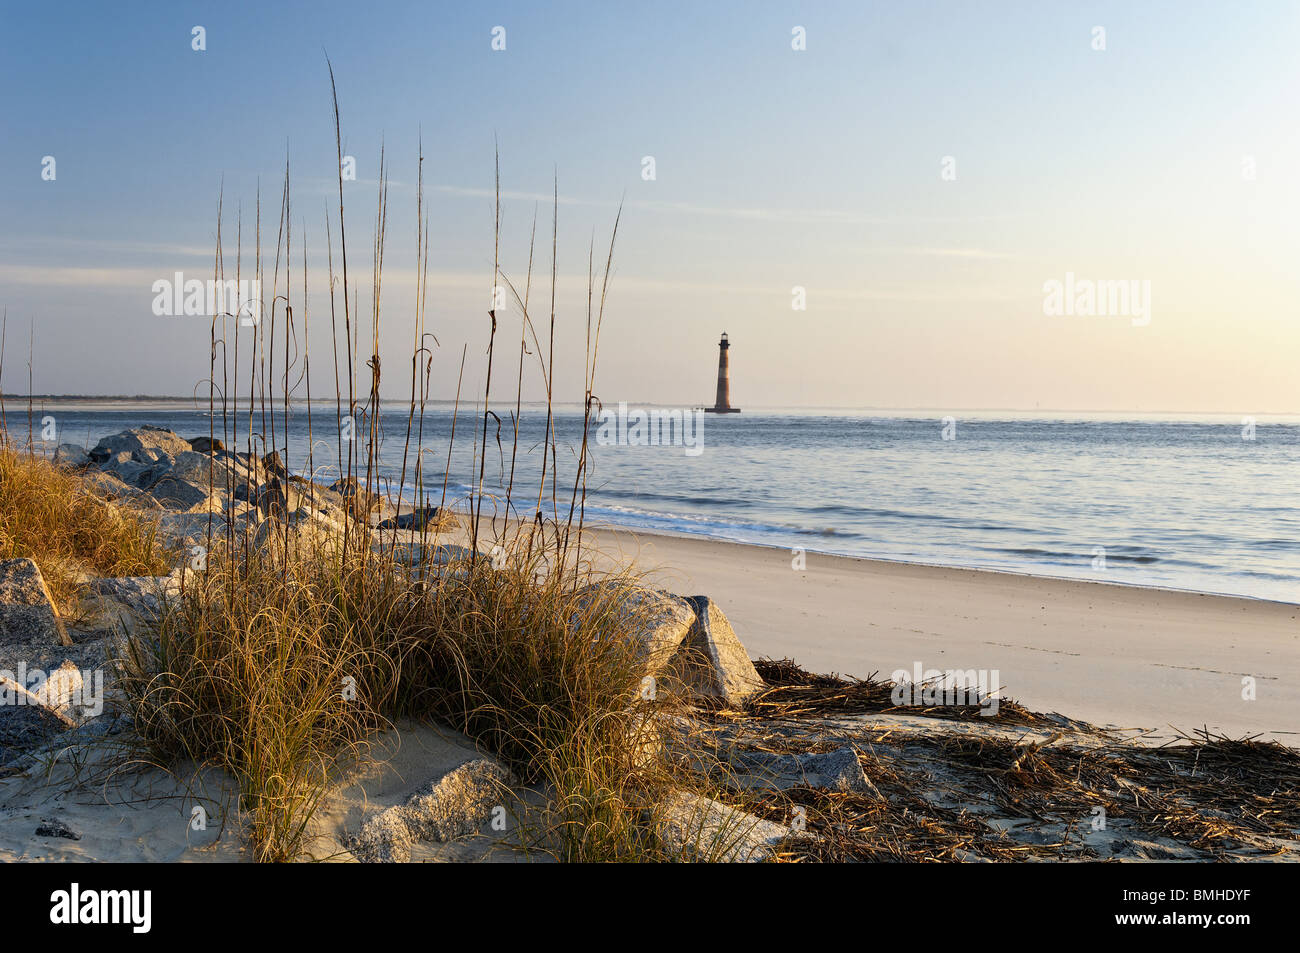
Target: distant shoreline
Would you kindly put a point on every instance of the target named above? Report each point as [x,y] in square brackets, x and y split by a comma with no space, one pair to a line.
[199,400]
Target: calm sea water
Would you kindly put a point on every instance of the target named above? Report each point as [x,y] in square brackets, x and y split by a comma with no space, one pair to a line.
[1174,502]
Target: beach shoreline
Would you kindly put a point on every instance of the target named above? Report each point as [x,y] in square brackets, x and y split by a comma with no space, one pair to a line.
[998,571]
[1164,661]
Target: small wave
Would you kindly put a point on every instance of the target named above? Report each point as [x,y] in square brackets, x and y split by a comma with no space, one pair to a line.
[1115,555]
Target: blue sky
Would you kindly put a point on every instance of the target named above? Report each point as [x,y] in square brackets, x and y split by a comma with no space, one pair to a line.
[774,169]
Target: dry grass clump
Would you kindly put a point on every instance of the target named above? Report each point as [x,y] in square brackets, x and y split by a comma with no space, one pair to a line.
[272,670]
[536,666]
[279,670]
[49,515]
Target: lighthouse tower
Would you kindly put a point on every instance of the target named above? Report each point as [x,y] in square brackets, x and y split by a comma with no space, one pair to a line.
[722,405]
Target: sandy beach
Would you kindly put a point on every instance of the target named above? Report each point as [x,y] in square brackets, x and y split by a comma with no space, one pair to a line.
[1150,663]
[1113,655]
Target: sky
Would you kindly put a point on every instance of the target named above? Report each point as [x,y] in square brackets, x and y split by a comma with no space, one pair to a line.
[916,177]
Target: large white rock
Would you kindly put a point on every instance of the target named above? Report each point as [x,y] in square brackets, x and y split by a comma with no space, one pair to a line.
[27,613]
[713,662]
[146,592]
[428,518]
[700,829]
[445,563]
[71,455]
[455,805]
[138,440]
[125,467]
[276,497]
[837,770]
[206,444]
[173,493]
[304,534]
[190,466]
[108,485]
[356,499]
[153,457]
[234,509]
[652,621]
[188,530]
[25,720]
[61,689]
[134,604]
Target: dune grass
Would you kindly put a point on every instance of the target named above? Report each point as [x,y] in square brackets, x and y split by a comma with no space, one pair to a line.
[537,666]
[49,515]
[249,671]
[279,671]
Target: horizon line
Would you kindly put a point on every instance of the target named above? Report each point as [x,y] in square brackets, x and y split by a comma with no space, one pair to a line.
[755,407]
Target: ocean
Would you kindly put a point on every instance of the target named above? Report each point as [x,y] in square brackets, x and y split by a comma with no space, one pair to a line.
[1210,504]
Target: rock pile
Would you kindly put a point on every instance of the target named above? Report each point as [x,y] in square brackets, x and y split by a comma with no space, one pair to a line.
[200,487]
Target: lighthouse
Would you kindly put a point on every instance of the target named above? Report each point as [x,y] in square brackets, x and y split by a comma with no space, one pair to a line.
[722,405]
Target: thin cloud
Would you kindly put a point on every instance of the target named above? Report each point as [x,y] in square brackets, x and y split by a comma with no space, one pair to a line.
[746,214]
[141,279]
[980,253]
[108,244]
